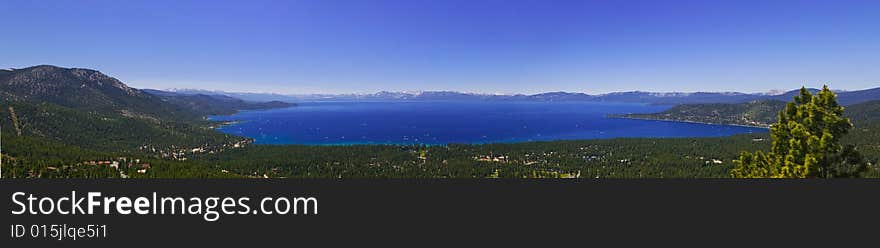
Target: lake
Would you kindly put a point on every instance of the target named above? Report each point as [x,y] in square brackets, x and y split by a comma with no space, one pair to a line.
[341,123]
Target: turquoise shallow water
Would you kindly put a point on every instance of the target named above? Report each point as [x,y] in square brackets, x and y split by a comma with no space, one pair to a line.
[339,123]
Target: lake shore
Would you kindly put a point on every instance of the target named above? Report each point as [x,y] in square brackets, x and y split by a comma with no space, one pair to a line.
[686,121]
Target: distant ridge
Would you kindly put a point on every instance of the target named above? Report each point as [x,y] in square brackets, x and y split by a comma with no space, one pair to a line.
[666,98]
[760,113]
[75,87]
[214,104]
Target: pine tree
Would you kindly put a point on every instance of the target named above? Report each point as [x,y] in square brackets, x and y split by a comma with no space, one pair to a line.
[806,142]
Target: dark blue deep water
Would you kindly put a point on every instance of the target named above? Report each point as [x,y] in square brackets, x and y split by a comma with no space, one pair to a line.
[336,123]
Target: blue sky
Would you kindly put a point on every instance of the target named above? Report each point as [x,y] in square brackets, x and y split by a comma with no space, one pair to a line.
[327,46]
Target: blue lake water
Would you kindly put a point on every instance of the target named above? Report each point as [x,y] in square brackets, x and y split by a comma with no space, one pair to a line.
[336,123]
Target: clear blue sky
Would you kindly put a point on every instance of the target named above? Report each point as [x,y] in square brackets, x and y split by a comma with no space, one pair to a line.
[328,46]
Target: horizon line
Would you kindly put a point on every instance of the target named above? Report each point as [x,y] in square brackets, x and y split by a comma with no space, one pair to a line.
[417,92]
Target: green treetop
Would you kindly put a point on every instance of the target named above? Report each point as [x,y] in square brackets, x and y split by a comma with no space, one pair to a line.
[806,142]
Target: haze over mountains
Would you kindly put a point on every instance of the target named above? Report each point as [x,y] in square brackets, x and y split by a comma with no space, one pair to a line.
[672,98]
[35,83]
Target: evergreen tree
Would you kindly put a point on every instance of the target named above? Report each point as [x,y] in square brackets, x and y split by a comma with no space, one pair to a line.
[806,142]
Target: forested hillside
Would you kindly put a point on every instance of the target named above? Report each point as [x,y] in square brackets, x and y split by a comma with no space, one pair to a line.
[55,119]
[87,91]
[756,113]
[88,109]
[864,113]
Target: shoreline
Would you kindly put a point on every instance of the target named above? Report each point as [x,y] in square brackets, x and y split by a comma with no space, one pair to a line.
[485,143]
[220,124]
[686,121]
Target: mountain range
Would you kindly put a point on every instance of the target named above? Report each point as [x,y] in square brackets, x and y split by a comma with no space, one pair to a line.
[665,98]
[90,90]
